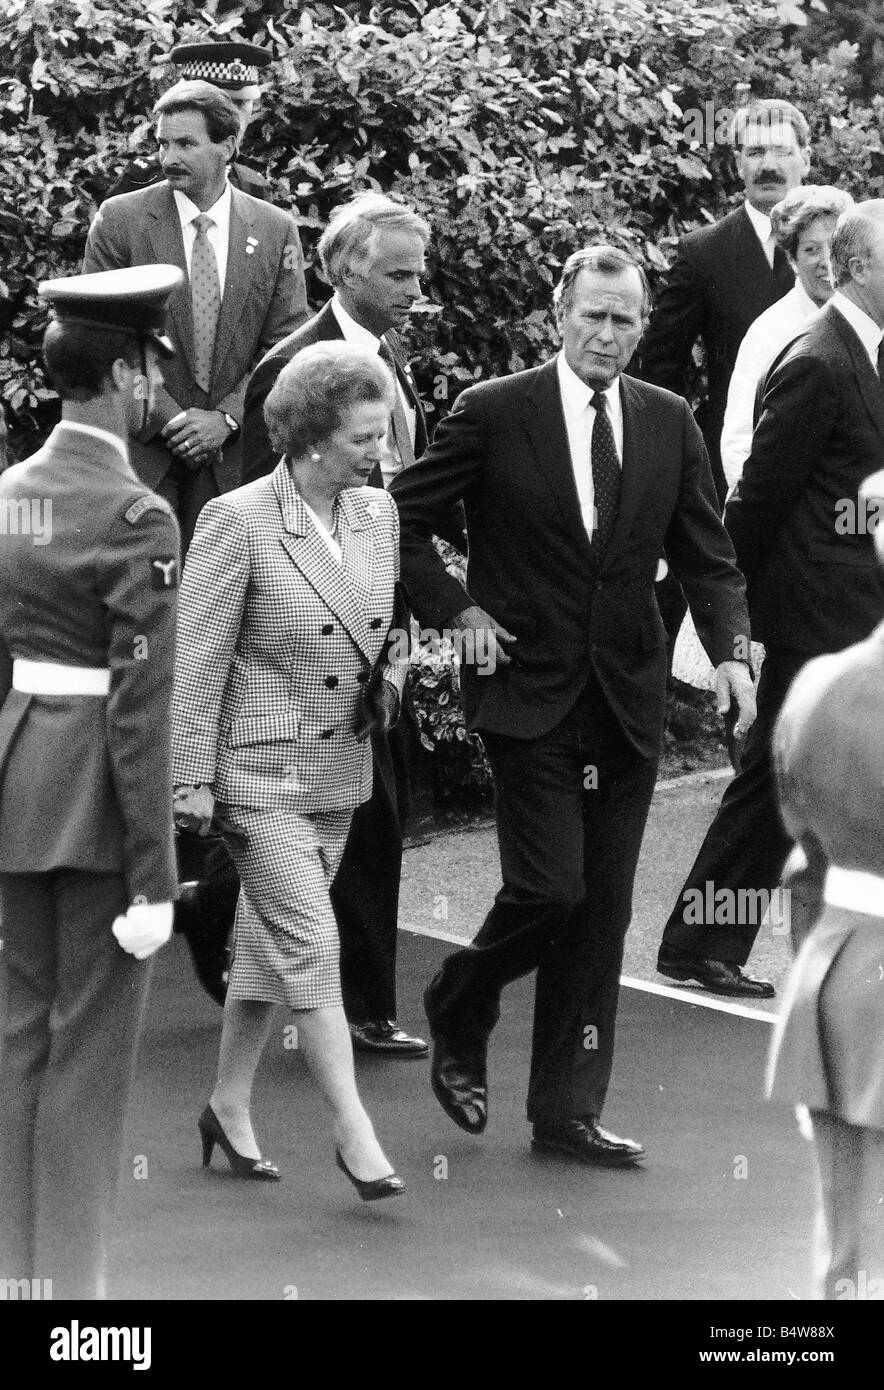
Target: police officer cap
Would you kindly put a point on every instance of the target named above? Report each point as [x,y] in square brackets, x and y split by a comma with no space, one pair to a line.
[133,299]
[230,65]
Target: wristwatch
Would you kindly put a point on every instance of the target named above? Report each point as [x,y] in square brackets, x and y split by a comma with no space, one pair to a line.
[230,422]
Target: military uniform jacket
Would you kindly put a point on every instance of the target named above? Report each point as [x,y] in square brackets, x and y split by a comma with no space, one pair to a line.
[264,299]
[828,1046]
[87,578]
[276,642]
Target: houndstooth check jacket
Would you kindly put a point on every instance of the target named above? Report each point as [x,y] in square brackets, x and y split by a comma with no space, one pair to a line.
[275,644]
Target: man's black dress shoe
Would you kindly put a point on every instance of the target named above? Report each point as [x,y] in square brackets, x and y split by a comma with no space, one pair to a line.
[718,976]
[207,939]
[385,1036]
[585,1140]
[458,1078]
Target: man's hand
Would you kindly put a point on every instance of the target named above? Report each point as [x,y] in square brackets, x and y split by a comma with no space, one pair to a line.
[379,710]
[734,682]
[196,436]
[474,619]
[144,928]
[193,808]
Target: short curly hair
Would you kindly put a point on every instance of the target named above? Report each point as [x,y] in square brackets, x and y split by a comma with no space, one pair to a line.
[353,230]
[314,391]
[791,217]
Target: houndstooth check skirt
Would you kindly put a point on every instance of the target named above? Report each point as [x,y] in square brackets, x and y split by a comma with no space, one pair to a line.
[285,938]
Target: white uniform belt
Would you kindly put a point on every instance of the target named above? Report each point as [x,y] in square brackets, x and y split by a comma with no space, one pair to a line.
[855,890]
[52,678]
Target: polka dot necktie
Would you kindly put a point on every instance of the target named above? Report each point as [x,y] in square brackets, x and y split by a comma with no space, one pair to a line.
[605,476]
[205,293]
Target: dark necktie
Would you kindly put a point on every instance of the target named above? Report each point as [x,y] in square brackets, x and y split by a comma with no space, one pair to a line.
[605,475]
[404,444]
[205,291]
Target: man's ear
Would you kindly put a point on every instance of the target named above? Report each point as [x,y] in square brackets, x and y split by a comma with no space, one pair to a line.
[232,146]
[120,374]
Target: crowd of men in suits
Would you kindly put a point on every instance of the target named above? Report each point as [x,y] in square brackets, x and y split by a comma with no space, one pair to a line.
[571,480]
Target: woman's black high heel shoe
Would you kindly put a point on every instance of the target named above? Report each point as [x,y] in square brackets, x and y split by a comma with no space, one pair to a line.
[261,1169]
[372,1190]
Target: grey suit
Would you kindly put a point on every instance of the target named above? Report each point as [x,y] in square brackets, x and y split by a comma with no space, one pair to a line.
[264,300]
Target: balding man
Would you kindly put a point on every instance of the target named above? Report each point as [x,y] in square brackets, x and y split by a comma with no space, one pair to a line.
[806,550]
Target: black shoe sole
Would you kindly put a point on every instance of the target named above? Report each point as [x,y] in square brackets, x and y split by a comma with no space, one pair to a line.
[611,1161]
[452,1114]
[403,1054]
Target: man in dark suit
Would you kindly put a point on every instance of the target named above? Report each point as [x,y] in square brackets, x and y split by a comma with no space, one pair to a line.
[372,253]
[813,584]
[725,275]
[87,868]
[573,479]
[245,290]
[236,69]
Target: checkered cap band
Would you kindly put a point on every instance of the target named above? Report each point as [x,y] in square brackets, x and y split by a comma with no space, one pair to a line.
[222,74]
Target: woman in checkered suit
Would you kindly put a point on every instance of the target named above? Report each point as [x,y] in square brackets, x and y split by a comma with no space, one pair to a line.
[285,610]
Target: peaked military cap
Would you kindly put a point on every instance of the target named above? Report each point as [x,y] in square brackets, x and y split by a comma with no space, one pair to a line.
[230,65]
[134,298]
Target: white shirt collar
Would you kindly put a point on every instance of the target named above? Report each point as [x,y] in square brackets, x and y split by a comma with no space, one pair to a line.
[219,211]
[760,222]
[576,395]
[98,433]
[863,326]
[353,331]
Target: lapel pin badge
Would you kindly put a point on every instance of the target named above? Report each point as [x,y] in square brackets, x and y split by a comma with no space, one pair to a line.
[374,510]
[251,243]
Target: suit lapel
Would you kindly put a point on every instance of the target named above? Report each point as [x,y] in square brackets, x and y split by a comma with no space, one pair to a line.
[241,254]
[544,422]
[164,234]
[638,460]
[311,555]
[867,379]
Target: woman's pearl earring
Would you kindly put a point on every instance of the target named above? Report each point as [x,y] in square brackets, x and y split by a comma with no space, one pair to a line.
[314,457]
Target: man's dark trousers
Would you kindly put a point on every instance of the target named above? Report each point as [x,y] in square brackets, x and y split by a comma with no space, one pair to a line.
[571,810]
[746,844]
[365,890]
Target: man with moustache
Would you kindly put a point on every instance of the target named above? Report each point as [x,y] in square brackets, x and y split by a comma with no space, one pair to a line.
[236,68]
[244,291]
[813,584]
[574,478]
[725,275]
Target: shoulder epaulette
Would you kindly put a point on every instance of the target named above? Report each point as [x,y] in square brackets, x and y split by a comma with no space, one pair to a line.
[148,503]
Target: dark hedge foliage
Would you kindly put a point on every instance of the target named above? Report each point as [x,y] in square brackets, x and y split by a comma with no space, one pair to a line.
[521,130]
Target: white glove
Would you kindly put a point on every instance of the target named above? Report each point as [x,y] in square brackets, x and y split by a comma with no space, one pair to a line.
[144,929]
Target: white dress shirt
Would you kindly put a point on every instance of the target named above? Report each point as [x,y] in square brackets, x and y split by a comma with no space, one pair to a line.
[363,337]
[863,326]
[579,420]
[761,226]
[218,235]
[331,541]
[764,340]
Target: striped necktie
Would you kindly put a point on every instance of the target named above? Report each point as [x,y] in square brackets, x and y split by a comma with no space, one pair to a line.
[205,294]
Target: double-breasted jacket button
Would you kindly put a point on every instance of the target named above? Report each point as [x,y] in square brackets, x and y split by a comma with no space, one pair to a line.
[327,629]
[331,682]
[375,622]
[362,676]
[326,733]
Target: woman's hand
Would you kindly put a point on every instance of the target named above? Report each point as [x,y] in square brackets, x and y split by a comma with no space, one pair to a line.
[193,808]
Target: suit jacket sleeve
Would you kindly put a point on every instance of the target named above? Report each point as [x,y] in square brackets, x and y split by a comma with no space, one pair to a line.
[676,323]
[213,594]
[702,556]
[258,455]
[426,495]
[141,648]
[799,408]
